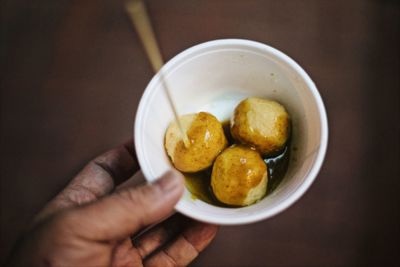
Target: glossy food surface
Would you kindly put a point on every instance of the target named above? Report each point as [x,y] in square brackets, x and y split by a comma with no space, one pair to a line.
[207,140]
[239,176]
[199,183]
[261,123]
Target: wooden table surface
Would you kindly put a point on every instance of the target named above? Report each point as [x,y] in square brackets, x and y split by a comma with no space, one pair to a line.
[72,74]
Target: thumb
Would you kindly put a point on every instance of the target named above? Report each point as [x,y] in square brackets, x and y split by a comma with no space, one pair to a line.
[126,211]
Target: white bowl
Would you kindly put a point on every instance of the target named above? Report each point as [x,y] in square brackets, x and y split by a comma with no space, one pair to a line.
[215,76]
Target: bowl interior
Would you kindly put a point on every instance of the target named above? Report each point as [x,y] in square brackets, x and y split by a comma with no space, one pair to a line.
[215,77]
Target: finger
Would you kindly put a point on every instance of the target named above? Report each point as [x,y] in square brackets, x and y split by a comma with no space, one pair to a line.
[124,212]
[96,179]
[185,248]
[124,255]
[136,180]
[109,169]
[158,236]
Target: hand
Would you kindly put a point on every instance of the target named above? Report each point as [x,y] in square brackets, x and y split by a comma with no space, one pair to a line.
[91,224]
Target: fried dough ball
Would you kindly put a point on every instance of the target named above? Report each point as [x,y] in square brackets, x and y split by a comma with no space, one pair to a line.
[206,137]
[261,123]
[239,176]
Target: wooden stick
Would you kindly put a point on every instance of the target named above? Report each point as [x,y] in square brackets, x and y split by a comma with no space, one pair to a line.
[140,19]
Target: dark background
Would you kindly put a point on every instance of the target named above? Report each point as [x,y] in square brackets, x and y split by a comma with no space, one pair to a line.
[72,73]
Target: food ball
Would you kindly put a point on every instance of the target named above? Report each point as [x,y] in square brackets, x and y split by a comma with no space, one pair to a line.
[239,176]
[261,123]
[206,137]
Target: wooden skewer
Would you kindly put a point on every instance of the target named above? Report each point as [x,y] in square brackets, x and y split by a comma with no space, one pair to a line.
[140,19]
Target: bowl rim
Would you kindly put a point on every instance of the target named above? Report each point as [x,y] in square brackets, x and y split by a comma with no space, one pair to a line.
[315,168]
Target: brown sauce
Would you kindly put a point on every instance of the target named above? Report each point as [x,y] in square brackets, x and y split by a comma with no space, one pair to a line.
[199,183]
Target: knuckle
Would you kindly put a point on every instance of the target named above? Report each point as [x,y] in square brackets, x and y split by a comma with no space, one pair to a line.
[171,261]
[161,260]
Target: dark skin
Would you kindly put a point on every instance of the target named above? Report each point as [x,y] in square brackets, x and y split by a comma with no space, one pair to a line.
[91,222]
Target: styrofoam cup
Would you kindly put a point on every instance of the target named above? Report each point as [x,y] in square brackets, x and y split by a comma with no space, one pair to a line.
[214,77]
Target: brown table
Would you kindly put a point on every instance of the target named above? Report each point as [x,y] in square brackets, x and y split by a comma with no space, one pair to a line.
[74,71]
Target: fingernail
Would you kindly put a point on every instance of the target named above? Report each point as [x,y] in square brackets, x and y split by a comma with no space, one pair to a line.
[170,181]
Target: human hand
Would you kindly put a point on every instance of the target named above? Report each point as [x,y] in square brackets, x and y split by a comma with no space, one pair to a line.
[90,223]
